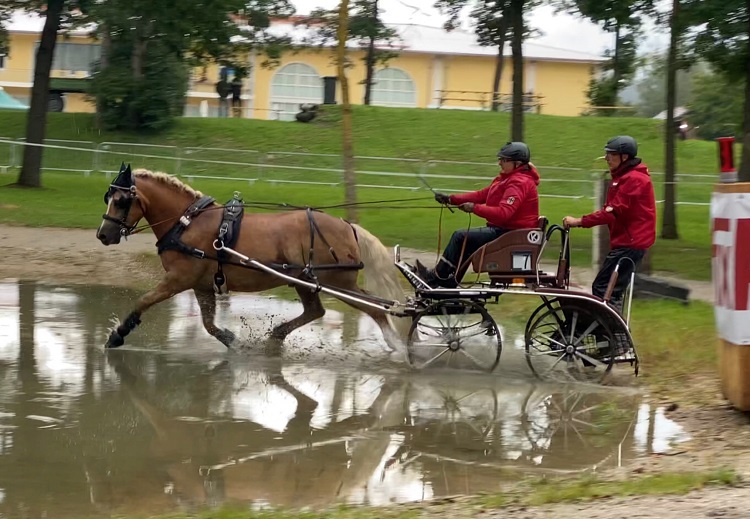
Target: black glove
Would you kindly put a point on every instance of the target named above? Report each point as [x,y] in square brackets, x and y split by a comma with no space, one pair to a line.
[440,198]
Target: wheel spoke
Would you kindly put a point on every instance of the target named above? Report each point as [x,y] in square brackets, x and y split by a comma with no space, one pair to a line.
[594,324]
[573,327]
[471,357]
[436,357]
[555,363]
[592,360]
[550,352]
[553,340]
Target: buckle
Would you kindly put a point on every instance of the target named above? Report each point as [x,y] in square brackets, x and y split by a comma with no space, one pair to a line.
[185,220]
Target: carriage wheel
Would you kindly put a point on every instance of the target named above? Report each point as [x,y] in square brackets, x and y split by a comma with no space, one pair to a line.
[569,342]
[454,334]
[567,421]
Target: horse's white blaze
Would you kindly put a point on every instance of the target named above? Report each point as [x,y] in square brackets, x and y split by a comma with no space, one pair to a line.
[109,205]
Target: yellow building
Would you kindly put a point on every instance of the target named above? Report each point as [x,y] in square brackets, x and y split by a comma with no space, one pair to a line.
[433,69]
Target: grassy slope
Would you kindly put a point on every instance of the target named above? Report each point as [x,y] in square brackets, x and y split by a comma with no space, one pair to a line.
[409,133]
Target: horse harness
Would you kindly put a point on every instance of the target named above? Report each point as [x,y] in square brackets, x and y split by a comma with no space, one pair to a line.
[228,234]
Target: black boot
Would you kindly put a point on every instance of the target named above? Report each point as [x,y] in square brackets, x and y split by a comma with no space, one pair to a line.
[427,275]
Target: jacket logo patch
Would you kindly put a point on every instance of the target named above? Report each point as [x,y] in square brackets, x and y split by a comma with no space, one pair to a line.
[609,209]
[511,200]
[614,184]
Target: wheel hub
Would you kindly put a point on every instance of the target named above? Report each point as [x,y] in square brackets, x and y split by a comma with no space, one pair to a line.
[570,349]
[454,345]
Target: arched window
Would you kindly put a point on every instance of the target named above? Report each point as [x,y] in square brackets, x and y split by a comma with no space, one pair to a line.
[393,87]
[291,86]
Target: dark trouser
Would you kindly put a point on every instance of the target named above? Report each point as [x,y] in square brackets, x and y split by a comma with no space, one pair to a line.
[599,287]
[452,257]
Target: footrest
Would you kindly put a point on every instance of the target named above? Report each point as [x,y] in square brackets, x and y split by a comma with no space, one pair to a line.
[411,275]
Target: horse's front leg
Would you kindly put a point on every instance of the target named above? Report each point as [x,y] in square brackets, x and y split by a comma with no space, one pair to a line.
[207,303]
[164,290]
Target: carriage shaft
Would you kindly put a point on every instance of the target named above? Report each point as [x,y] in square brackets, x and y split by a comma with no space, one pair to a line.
[315,287]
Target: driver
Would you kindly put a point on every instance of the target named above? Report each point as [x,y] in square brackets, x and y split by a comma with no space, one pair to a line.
[629,212]
[511,201]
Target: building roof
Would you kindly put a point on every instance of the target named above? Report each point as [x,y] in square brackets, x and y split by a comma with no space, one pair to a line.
[32,23]
[412,38]
[435,40]
[679,111]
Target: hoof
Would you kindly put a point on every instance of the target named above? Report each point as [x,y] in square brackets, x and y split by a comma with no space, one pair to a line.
[226,337]
[115,340]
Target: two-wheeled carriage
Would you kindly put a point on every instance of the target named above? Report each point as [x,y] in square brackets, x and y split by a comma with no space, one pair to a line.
[572,333]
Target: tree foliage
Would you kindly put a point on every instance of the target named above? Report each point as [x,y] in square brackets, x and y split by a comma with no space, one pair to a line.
[60,15]
[652,86]
[364,28]
[716,105]
[149,48]
[723,39]
[623,18]
[491,22]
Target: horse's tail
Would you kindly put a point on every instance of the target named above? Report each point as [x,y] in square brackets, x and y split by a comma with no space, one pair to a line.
[380,275]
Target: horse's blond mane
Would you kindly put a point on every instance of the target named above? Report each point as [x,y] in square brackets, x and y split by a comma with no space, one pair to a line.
[167,180]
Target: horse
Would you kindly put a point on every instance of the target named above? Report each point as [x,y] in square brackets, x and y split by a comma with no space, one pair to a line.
[318,249]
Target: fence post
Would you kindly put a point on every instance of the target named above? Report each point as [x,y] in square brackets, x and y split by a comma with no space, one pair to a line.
[600,236]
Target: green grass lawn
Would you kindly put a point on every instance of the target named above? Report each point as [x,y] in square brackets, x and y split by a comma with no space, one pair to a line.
[423,139]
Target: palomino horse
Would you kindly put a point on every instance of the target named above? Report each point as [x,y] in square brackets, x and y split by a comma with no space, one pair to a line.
[186,225]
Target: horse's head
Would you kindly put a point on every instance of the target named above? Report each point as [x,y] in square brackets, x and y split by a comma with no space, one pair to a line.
[122,214]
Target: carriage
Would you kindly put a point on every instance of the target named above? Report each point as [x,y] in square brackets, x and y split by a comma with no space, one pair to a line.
[571,332]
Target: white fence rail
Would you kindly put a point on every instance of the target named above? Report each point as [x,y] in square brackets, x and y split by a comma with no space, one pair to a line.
[288,167]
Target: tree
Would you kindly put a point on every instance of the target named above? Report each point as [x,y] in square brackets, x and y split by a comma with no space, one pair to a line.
[652,87]
[492,20]
[350,190]
[623,18]
[723,39]
[516,20]
[151,47]
[716,105]
[364,27]
[59,15]
[491,25]
[669,219]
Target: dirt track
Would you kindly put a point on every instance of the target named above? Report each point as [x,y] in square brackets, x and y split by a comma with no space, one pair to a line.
[721,436]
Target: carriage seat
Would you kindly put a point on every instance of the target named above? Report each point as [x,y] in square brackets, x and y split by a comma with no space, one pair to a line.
[513,255]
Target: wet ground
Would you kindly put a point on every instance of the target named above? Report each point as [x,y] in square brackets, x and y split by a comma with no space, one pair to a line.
[173,420]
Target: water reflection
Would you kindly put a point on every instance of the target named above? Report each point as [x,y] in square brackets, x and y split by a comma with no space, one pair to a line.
[176,421]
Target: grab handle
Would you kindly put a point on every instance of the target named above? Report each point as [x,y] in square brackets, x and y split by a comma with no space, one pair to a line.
[612,283]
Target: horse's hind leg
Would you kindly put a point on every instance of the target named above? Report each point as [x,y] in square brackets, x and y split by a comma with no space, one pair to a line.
[207,303]
[312,309]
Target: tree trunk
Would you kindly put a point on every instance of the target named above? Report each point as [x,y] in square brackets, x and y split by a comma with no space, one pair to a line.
[106,38]
[350,190]
[370,69]
[669,223]
[36,122]
[616,66]
[370,58]
[743,174]
[498,71]
[516,8]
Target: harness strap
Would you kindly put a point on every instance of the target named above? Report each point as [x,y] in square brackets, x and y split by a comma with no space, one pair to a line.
[314,228]
[172,241]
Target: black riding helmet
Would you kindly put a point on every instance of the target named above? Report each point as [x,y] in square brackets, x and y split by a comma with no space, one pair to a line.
[623,144]
[516,151]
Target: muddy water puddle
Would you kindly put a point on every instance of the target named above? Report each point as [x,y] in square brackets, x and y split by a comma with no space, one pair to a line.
[172,420]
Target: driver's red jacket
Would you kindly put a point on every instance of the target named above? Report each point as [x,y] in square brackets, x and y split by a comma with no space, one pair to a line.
[511,201]
[630,209]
